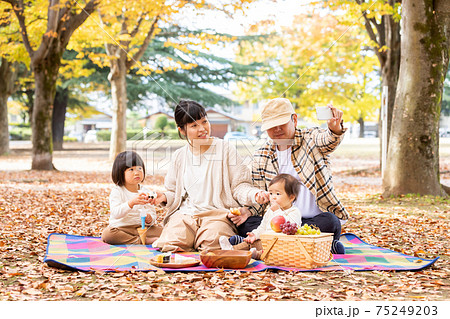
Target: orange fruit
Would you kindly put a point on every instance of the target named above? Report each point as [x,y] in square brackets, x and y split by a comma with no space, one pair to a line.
[235,211]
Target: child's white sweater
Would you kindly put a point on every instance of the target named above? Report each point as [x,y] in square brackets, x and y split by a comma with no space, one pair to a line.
[291,215]
[121,213]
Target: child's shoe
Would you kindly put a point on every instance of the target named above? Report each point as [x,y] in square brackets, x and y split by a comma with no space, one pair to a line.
[256,254]
[225,243]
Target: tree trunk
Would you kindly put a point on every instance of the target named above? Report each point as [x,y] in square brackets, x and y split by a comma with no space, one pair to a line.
[4,131]
[386,36]
[59,117]
[361,127]
[45,75]
[390,69]
[413,159]
[117,77]
[8,76]
[29,102]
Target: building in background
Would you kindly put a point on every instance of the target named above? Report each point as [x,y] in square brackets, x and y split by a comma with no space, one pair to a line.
[221,121]
[150,120]
[95,122]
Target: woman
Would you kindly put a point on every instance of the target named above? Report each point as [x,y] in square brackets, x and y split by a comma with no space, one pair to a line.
[206,178]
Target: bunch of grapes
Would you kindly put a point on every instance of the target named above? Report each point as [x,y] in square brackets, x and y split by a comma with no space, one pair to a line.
[289,228]
[308,230]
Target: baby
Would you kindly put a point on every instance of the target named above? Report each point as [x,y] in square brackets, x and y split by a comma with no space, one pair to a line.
[283,190]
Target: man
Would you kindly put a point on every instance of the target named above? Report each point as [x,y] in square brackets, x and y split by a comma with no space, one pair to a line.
[304,154]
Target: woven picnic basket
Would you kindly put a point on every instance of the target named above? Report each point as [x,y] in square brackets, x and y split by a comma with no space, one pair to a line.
[297,251]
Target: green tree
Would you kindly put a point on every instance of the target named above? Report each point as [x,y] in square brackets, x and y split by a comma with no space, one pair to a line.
[206,70]
[161,123]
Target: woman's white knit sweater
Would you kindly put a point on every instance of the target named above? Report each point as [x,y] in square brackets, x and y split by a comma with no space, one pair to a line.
[232,186]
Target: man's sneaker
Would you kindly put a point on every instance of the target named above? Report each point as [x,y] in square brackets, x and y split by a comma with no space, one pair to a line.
[337,248]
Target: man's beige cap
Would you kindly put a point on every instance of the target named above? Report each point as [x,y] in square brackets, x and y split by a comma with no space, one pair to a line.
[276,112]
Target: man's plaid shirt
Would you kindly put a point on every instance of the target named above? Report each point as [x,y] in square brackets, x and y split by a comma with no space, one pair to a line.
[310,157]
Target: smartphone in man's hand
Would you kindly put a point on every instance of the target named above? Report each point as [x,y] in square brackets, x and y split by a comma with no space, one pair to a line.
[324,113]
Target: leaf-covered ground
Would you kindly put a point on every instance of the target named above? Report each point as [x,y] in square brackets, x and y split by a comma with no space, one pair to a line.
[34,204]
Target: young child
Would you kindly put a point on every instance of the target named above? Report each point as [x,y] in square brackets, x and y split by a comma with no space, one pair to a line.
[126,200]
[283,190]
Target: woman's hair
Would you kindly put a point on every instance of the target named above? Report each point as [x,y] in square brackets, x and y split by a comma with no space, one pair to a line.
[123,161]
[291,184]
[188,111]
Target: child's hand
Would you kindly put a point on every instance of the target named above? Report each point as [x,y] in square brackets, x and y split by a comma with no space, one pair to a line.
[274,206]
[141,199]
[250,238]
[262,197]
[148,219]
[159,199]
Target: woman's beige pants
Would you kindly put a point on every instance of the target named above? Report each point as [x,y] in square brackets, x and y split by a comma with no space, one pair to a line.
[200,231]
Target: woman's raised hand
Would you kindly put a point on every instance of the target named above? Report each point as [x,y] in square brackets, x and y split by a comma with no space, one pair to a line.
[160,198]
[262,197]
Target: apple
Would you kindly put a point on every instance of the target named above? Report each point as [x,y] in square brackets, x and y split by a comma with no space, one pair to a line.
[276,222]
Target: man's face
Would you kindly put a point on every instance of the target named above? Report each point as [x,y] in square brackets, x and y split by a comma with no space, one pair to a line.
[284,133]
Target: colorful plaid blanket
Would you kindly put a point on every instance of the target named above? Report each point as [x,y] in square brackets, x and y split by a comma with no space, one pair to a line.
[91,254]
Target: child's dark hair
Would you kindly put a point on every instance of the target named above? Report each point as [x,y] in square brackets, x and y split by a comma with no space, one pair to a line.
[291,184]
[123,161]
[188,111]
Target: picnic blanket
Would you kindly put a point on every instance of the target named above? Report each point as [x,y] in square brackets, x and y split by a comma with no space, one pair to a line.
[81,253]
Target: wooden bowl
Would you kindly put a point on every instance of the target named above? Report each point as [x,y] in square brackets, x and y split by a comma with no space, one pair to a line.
[233,259]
